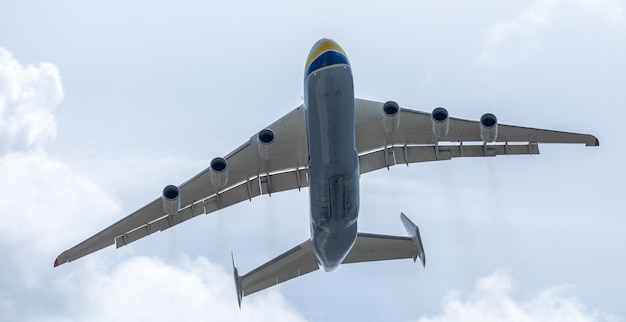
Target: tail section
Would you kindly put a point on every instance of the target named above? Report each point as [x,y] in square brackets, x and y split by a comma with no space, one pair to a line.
[301,259]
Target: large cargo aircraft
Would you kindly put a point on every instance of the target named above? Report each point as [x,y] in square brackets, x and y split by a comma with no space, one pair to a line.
[325,145]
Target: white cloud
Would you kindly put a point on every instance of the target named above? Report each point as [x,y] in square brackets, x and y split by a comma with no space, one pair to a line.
[611,10]
[45,207]
[28,97]
[42,199]
[147,289]
[515,40]
[491,300]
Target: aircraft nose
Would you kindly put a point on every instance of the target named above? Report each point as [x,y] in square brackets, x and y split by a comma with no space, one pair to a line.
[320,46]
[325,52]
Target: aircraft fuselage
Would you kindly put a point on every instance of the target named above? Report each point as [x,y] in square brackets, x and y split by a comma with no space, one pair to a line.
[333,158]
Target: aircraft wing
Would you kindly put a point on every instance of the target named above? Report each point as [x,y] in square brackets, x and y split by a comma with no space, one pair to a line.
[414,139]
[255,169]
[282,167]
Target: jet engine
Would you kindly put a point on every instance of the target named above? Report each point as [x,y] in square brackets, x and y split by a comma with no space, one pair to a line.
[391,116]
[171,200]
[264,141]
[488,128]
[219,172]
[440,121]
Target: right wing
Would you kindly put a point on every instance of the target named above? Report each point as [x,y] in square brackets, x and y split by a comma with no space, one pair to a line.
[414,139]
[249,175]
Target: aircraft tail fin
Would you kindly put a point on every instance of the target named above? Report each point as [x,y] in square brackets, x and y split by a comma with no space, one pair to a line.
[414,232]
[237,280]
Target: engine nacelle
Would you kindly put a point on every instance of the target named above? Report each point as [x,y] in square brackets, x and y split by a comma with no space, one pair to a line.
[219,172]
[171,200]
[264,141]
[391,116]
[440,121]
[488,128]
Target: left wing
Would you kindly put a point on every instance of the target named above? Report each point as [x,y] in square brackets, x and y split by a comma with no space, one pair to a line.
[409,136]
[253,169]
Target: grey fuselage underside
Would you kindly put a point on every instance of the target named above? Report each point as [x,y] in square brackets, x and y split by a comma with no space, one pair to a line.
[333,163]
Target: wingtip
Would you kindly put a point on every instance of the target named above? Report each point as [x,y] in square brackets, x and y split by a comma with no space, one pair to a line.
[61,259]
[592,141]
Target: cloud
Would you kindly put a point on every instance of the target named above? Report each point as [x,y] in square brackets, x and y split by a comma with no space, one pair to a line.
[147,289]
[28,97]
[491,300]
[42,199]
[610,10]
[46,206]
[515,40]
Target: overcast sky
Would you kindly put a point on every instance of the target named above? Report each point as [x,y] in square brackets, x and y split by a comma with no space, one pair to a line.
[102,103]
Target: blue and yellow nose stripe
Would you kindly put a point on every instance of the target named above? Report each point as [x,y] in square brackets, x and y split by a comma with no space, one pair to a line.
[324,53]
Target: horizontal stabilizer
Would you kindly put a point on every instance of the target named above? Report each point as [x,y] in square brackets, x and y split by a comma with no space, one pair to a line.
[293,263]
[371,247]
[301,259]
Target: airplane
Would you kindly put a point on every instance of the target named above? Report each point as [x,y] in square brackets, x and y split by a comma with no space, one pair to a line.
[325,144]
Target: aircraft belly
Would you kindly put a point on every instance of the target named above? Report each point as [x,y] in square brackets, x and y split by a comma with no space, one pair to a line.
[333,163]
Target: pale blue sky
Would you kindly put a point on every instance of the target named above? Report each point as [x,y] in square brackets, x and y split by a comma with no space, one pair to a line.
[152,91]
